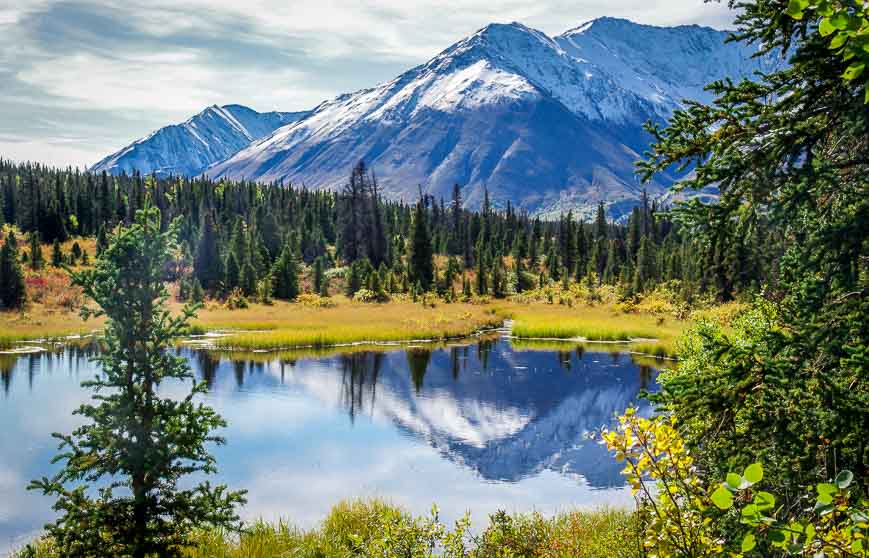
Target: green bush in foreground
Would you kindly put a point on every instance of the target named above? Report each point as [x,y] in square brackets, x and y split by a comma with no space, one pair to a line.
[375,529]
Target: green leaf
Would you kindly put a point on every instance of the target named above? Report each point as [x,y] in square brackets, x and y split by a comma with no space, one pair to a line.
[751,515]
[764,501]
[753,473]
[826,488]
[838,40]
[844,479]
[795,9]
[722,498]
[839,20]
[824,8]
[826,28]
[854,70]
[748,543]
[777,537]
[734,481]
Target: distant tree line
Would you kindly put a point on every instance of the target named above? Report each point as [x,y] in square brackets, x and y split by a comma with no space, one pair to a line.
[263,239]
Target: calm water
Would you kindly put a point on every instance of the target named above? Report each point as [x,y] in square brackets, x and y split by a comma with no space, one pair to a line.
[483,426]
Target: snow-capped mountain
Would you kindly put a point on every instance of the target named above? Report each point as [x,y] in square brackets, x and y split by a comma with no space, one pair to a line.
[548,123]
[188,148]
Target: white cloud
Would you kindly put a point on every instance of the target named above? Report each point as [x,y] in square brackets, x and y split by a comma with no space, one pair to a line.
[45,151]
[174,83]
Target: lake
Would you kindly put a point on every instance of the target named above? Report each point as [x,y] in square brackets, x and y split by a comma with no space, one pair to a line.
[479,426]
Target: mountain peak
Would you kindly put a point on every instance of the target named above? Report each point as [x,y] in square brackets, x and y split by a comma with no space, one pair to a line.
[618,26]
[501,33]
[187,148]
[500,28]
[605,22]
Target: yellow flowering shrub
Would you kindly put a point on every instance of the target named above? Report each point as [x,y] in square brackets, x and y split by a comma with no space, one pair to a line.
[682,514]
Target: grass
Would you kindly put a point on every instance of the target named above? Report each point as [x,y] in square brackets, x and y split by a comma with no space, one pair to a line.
[40,321]
[285,326]
[377,528]
[649,334]
[343,322]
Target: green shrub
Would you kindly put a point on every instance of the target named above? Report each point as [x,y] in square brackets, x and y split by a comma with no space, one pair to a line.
[377,529]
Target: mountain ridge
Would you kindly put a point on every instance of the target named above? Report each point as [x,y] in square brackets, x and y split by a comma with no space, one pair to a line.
[546,123]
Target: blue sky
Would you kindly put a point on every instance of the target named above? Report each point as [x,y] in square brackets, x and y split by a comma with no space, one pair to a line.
[81,79]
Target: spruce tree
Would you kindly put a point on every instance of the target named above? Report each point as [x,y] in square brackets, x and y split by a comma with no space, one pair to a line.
[197,294]
[36,260]
[553,264]
[232,277]
[248,279]
[482,273]
[118,492]
[421,261]
[499,284]
[285,274]
[56,254]
[456,236]
[789,145]
[318,274]
[101,239]
[600,226]
[352,280]
[207,263]
[643,269]
[12,290]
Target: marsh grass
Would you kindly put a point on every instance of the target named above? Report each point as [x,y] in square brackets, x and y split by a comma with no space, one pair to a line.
[377,528]
[287,326]
[38,322]
[647,333]
[284,325]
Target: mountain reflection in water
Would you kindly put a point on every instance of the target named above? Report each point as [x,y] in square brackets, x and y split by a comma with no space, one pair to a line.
[480,426]
[504,413]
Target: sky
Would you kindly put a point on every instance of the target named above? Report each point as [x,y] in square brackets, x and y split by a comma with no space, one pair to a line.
[80,79]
